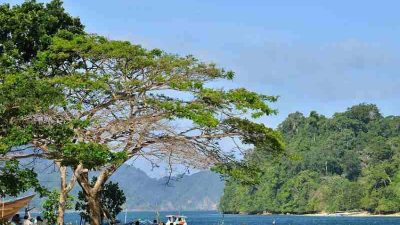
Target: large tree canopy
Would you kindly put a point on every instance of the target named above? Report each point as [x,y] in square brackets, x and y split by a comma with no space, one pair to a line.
[124,99]
[90,103]
[110,101]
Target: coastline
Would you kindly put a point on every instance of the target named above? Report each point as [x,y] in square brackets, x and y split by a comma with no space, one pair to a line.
[323,214]
[354,214]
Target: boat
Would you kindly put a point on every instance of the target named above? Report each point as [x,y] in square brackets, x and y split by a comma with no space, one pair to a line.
[10,208]
[176,220]
[140,222]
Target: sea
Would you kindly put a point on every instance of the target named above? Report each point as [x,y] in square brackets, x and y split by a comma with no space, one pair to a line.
[216,218]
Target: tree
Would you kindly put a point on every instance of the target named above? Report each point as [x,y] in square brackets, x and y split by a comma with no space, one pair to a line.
[51,206]
[295,193]
[25,30]
[292,123]
[337,194]
[28,28]
[92,104]
[15,180]
[21,97]
[120,101]
[364,113]
[111,198]
[123,96]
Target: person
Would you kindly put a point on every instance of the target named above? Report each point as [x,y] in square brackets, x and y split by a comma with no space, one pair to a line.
[39,221]
[27,220]
[16,219]
[137,222]
[155,222]
[171,220]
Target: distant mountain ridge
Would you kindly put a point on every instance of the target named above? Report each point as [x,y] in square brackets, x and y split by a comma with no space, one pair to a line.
[198,191]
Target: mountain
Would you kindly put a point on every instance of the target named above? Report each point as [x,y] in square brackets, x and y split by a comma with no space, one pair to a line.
[198,191]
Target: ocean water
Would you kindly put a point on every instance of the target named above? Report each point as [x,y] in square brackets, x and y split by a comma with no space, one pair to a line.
[215,218]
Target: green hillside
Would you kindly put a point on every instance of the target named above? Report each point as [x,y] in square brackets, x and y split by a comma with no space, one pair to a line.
[347,162]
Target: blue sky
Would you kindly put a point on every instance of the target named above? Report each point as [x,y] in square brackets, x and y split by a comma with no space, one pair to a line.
[317,55]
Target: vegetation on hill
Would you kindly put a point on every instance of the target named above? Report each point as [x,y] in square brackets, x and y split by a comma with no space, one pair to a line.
[347,162]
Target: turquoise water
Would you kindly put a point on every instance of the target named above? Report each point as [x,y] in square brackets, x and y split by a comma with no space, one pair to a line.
[214,218]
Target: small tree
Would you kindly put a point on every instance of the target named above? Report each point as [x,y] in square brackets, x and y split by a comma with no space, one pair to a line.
[51,206]
[111,198]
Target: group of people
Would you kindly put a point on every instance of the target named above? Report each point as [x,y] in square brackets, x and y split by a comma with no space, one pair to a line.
[27,220]
[155,222]
[171,221]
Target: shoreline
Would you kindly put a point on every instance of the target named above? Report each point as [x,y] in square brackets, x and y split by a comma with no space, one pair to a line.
[354,214]
[317,214]
[324,214]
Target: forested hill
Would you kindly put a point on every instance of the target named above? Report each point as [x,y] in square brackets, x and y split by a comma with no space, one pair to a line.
[347,162]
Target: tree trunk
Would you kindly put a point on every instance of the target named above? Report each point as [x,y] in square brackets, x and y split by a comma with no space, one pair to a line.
[63,195]
[92,192]
[94,209]
[64,190]
[61,208]
[92,198]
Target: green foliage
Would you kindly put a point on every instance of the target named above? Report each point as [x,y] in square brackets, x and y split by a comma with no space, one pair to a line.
[24,30]
[243,172]
[295,193]
[20,96]
[267,142]
[171,73]
[15,180]
[262,137]
[336,193]
[91,154]
[347,162]
[111,199]
[50,206]
[28,28]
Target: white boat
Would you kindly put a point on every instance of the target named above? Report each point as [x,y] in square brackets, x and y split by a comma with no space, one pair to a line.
[176,220]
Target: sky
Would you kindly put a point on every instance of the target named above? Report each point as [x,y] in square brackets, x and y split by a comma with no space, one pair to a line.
[316,55]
